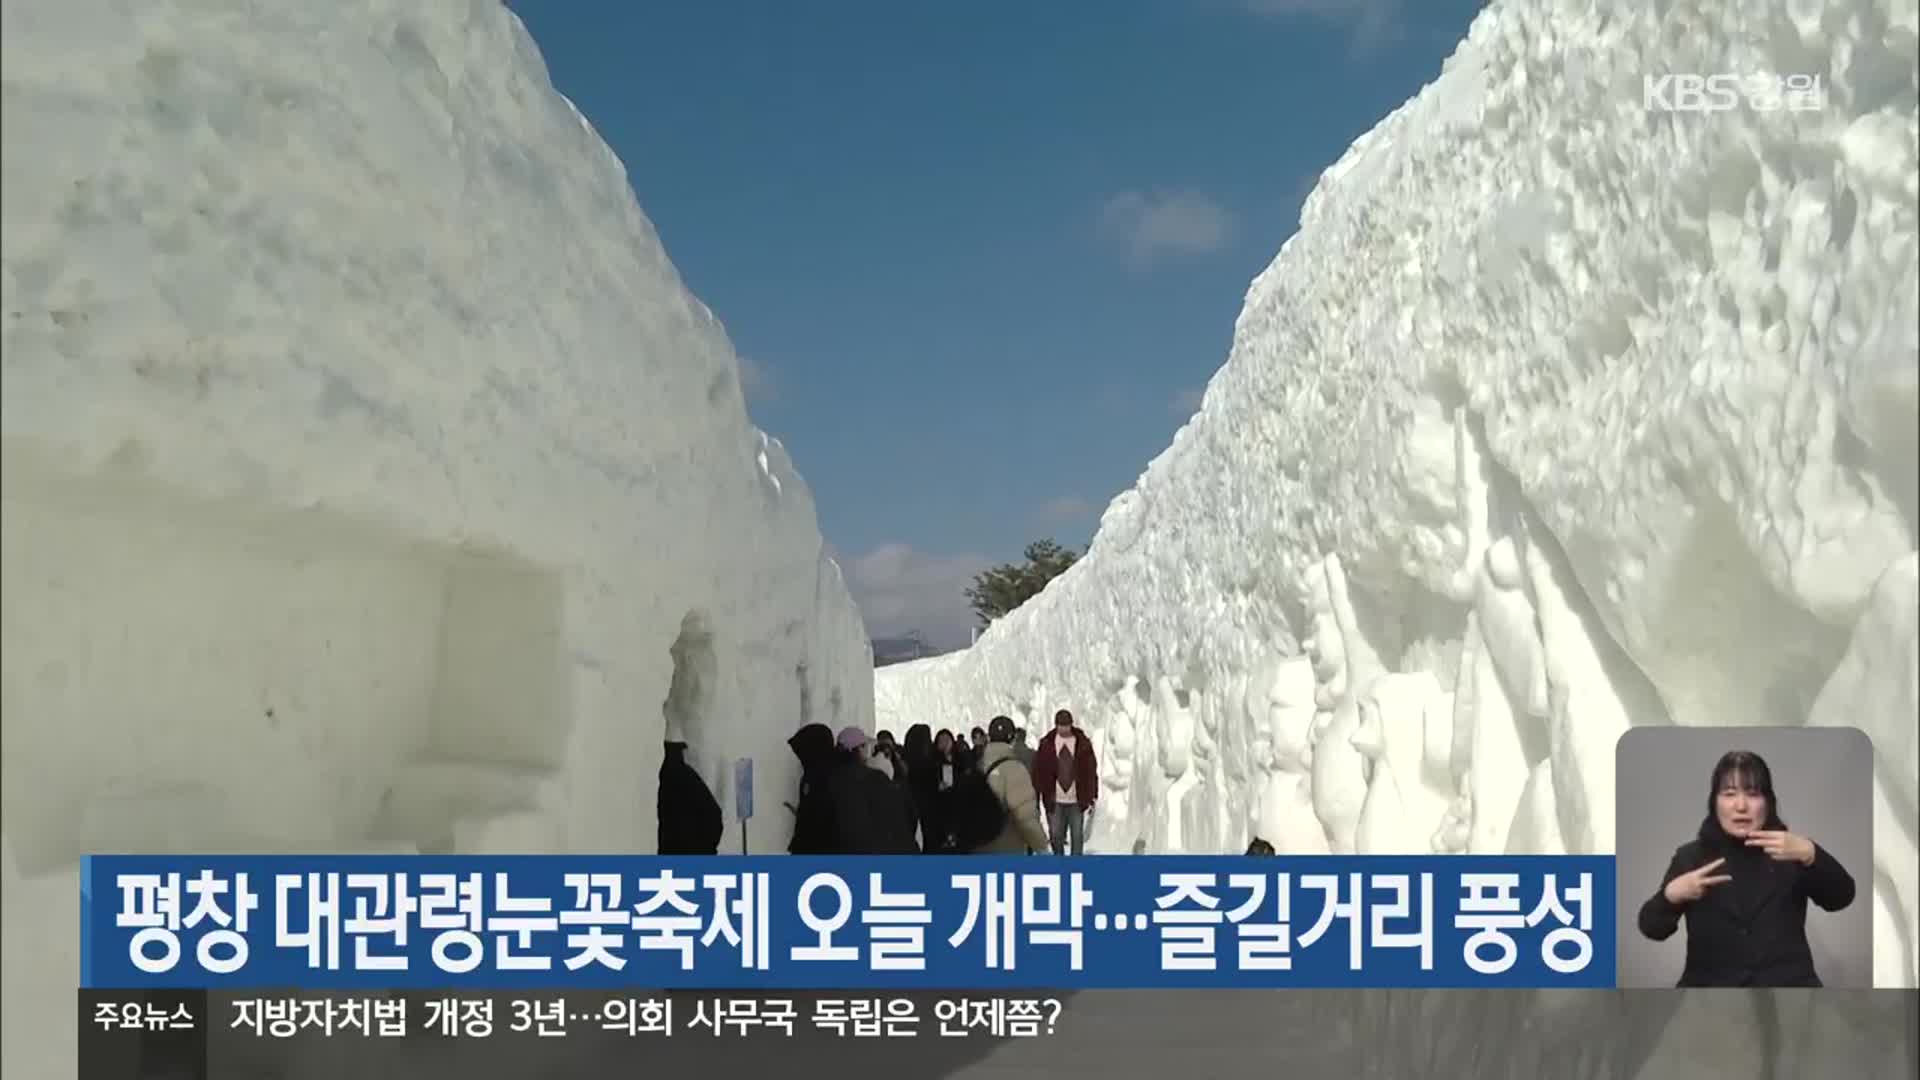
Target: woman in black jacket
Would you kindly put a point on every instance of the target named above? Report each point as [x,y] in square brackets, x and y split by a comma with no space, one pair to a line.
[1743,884]
[923,776]
[815,832]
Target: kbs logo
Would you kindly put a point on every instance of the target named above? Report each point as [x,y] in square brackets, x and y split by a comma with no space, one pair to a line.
[1726,92]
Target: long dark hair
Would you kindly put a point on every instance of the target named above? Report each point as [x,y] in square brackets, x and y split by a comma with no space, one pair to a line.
[1747,770]
[918,745]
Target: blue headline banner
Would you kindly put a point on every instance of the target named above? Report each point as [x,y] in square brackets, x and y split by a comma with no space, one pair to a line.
[926,922]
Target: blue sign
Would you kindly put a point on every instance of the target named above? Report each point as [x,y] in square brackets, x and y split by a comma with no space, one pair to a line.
[743,788]
[927,922]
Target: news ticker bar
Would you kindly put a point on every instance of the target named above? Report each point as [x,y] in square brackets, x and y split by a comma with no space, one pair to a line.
[200,1034]
[163,1015]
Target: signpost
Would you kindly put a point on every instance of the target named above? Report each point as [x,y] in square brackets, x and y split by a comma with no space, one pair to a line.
[743,796]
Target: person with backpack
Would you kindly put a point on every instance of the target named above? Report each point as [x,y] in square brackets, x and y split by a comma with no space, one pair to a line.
[1068,780]
[995,811]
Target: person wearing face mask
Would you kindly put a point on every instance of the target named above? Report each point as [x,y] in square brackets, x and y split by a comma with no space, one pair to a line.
[1742,886]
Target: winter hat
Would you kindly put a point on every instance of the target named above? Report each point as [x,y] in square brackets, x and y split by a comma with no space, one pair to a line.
[851,738]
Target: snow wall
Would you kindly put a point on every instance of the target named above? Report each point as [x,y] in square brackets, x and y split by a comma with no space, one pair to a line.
[1559,415]
[371,481]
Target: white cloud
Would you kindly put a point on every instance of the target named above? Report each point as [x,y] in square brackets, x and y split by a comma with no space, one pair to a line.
[1152,226]
[1065,509]
[1375,23]
[901,590]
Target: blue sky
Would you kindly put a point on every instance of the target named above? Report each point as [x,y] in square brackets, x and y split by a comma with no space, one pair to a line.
[979,259]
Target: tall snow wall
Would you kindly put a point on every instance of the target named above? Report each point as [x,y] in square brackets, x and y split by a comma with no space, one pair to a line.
[371,480]
[1560,414]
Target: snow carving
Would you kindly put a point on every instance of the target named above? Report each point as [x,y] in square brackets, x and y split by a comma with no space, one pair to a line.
[1149,779]
[1876,687]
[1586,715]
[1683,485]
[1342,664]
[1241,759]
[1173,724]
[1285,715]
[1034,715]
[1509,731]
[1536,824]
[1118,775]
[1405,801]
[1202,808]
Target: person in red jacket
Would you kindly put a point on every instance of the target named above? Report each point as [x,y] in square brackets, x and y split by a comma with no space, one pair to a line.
[1067,778]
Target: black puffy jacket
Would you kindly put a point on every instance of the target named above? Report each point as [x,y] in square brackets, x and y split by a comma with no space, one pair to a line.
[869,811]
[814,830]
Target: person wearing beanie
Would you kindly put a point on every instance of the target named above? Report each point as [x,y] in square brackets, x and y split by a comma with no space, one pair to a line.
[1021,832]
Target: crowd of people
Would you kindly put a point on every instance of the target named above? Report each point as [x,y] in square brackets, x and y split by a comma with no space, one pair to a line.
[987,791]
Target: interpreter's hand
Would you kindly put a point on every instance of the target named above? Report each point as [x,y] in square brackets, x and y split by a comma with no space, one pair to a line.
[1783,845]
[1694,884]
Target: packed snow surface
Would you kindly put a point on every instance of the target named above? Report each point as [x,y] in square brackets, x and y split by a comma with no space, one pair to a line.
[1560,414]
[371,481]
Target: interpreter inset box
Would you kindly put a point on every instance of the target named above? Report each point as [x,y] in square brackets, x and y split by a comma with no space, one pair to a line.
[1745,857]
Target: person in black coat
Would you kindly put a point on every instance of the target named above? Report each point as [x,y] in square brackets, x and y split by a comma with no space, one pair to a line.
[891,760]
[814,831]
[690,817]
[941,775]
[869,811]
[923,775]
[1742,887]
